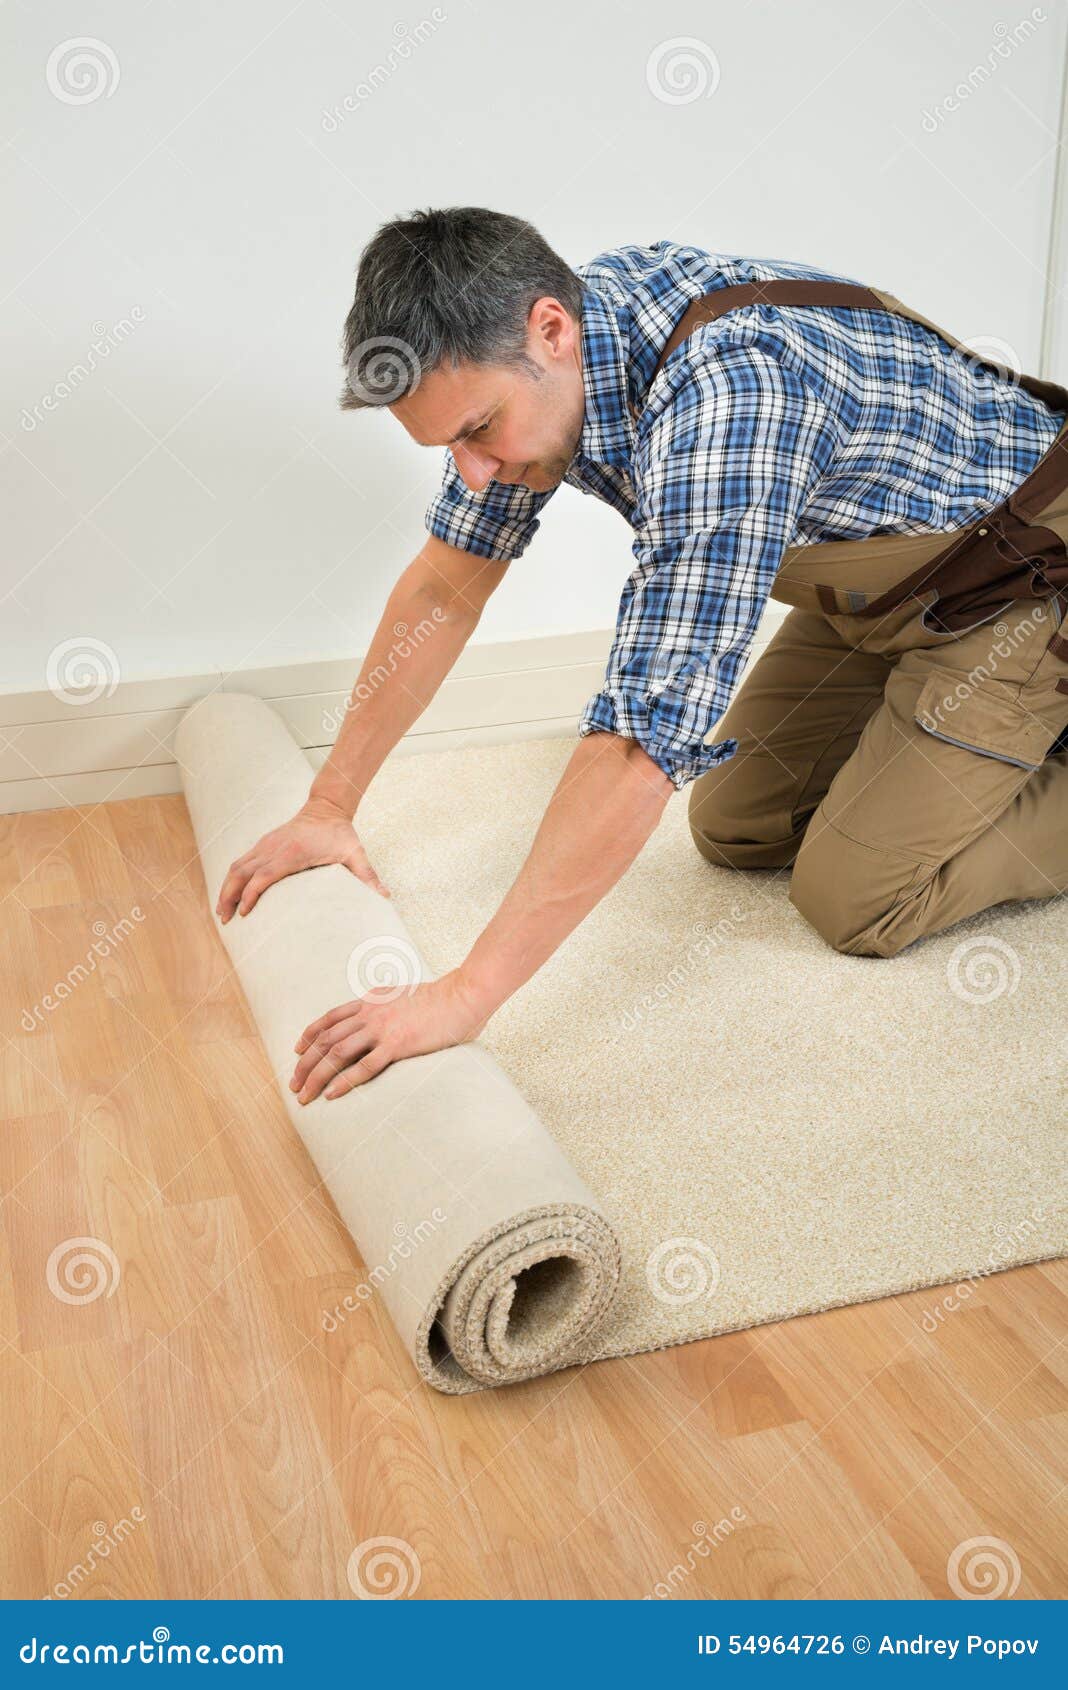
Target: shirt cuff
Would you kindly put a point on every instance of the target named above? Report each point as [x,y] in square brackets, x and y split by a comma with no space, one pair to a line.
[633,716]
[503,544]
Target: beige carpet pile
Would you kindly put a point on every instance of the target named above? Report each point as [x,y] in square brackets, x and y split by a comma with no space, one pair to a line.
[695,1118]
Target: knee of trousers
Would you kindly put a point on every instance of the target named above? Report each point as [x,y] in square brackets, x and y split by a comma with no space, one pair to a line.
[732,822]
[849,892]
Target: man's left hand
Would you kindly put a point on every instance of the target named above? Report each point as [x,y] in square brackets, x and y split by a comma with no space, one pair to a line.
[355,1041]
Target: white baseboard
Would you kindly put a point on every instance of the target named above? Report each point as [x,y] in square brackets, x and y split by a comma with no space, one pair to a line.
[55,753]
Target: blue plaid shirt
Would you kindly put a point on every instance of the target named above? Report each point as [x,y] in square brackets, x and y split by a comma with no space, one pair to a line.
[771,427]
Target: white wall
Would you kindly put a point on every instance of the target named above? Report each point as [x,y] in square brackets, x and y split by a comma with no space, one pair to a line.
[198,501]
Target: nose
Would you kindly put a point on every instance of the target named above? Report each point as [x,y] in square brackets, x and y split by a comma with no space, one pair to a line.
[477,469]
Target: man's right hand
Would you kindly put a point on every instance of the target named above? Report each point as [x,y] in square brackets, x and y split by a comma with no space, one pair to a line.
[319,833]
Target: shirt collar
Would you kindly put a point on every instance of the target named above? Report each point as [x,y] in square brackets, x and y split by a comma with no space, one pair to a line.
[608,427]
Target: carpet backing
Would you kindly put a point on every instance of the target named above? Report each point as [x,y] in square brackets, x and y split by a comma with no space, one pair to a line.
[696,1117]
[490,1253]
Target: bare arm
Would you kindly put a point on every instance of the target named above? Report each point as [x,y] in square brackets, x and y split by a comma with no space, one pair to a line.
[429,616]
[608,801]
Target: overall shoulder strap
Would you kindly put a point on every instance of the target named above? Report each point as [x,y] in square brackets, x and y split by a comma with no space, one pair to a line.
[787,291]
[781,292]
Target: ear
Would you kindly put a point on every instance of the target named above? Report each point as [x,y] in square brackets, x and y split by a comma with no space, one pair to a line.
[552,327]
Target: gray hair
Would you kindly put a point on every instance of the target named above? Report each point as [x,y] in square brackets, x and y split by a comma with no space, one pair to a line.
[452,286]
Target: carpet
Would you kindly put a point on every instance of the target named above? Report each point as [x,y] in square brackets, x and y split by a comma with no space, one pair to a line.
[742,1124]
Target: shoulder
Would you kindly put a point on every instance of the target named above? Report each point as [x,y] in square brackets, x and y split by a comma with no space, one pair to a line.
[735,378]
[642,274]
[650,286]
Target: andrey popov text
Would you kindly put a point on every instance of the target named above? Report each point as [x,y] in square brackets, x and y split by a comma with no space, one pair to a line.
[808,1643]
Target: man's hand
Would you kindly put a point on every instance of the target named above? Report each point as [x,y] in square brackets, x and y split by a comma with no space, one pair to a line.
[607,803]
[355,1041]
[319,833]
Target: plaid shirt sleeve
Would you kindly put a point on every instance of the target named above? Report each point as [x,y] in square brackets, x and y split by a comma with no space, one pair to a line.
[724,463]
[499,522]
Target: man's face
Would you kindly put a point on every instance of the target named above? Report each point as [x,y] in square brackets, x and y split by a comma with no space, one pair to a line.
[513,426]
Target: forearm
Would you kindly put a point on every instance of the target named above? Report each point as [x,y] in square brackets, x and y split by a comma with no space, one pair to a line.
[416,643]
[608,801]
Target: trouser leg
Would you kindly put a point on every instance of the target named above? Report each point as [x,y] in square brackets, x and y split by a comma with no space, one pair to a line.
[797,717]
[954,799]
[1023,854]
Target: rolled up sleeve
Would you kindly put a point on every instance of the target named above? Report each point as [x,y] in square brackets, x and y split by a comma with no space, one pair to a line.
[498,523]
[723,469]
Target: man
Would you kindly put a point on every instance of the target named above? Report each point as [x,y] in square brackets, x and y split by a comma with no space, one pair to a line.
[769,432]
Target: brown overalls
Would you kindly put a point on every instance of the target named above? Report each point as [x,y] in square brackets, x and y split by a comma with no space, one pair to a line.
[897,737]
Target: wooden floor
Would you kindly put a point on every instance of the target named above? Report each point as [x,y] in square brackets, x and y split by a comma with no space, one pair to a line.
[177,1423]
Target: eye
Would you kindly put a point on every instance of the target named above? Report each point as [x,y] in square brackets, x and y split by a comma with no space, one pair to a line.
[482,427]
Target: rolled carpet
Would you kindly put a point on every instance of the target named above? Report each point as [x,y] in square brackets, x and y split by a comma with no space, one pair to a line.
[494,1259]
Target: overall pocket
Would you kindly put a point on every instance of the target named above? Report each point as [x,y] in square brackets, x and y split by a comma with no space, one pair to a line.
[929,620]
[983,716]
